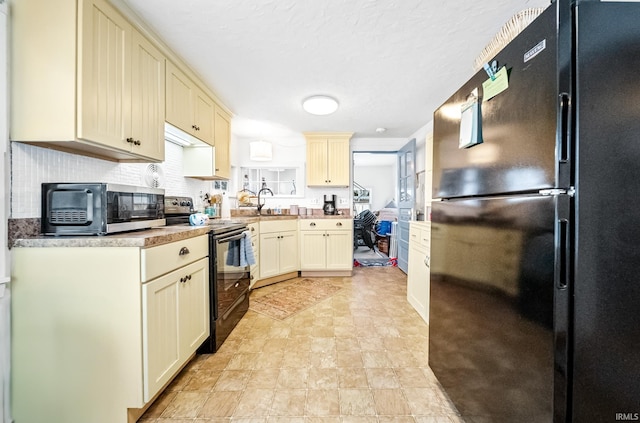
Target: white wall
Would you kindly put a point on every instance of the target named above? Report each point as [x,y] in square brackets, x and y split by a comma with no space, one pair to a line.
[382,182]
[30,166]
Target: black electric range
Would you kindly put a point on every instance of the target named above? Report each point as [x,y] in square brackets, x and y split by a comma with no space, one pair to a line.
[228,280]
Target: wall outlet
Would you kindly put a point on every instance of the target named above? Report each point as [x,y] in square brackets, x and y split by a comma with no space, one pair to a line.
[314,201]
[344,201]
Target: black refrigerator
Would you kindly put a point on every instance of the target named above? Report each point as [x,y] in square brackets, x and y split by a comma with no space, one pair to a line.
[535,245]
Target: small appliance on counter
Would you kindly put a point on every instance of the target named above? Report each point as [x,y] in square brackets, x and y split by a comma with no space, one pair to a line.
[99,208]
[330,204]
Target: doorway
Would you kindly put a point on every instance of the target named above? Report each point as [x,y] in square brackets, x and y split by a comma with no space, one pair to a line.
[374,192]
[383,184]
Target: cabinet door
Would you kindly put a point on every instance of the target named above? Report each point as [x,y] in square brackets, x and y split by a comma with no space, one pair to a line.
[193,294]
[313,253]
[147,98]
[222,130]
[338,163]
[269,256]
[339,250]
[104,98]
[160,342]
[418,282]
[317,162]
[203,116]
[288,252]
[180,100]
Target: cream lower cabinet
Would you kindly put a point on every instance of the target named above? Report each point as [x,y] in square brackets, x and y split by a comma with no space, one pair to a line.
[326,245]
[98,331]
[418,268]
[254,270]
[174,322]
[278,249]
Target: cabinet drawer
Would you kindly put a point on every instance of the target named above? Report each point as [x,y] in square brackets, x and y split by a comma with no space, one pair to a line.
[325,224]
[163,259]
[269,226]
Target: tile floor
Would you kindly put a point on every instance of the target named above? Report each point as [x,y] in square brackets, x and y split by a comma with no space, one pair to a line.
[359,356]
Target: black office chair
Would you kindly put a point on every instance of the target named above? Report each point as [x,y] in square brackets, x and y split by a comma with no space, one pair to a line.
[363,225]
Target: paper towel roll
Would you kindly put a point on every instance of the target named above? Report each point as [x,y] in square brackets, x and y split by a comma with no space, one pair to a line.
[225,211]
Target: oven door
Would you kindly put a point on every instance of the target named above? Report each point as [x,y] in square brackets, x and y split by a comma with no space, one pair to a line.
[231,276]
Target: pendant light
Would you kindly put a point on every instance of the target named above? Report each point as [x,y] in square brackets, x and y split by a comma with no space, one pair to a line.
[260,151]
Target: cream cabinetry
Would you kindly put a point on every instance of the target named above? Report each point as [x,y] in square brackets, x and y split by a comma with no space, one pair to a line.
[188,107]
[328,159]
[211,161]
[223,143]
[119,332]
[254,270]
[175,313]
[278,251]
[94,103]
[326,247]
[418,267]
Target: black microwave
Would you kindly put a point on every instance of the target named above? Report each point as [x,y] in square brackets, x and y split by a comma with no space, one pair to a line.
[99,208]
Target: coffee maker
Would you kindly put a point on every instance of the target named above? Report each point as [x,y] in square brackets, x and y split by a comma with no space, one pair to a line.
[330,204]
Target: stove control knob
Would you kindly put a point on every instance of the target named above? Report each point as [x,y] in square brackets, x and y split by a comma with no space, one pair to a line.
[174,202]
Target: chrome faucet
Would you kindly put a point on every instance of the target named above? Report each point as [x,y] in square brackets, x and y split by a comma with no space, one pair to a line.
[264,189]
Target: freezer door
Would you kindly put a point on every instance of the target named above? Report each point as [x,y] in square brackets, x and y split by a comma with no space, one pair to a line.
[518,126]
[491,337]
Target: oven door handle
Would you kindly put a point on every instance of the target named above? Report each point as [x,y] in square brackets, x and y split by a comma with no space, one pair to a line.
[230,238]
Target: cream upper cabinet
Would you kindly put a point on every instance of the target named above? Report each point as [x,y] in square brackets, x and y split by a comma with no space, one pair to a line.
[328,161]
[94,102]
[147,99]
[223,142]
[188,107]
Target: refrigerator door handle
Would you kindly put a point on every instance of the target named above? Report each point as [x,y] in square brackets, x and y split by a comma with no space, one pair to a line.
[563,263]
[564,119]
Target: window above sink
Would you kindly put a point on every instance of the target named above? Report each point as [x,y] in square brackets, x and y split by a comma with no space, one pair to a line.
[283,181]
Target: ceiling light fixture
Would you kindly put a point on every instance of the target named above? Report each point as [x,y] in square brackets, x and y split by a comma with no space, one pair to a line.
[380,130]
[260,151]
[320,105]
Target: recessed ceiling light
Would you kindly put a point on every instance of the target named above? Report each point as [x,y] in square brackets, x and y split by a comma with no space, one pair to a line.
[380,130]
[320,105]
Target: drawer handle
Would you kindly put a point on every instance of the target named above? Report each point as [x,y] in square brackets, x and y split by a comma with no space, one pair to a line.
[236,285]
[312,224]
[427,261]
[339,224]
[184,251]
[253,229]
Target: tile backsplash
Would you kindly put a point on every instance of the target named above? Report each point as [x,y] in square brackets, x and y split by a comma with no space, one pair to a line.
[31,165]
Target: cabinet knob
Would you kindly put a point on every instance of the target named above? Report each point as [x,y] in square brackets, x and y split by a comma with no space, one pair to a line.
[137,142]
[312,224]
[339,224]
[130,140]
[253,229]
[427,261]
[184,251]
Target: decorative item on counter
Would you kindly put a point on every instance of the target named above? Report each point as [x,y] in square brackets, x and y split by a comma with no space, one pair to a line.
[309,212]
[302,211]
[246,199]
[293,209]
[198,219]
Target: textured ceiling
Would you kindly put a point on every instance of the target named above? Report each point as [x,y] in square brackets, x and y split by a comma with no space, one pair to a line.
[389,63]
